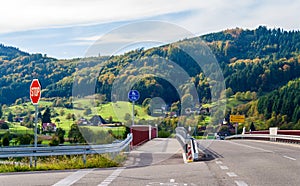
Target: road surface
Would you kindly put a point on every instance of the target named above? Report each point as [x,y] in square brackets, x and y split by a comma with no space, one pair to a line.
[159,162]
[247,162]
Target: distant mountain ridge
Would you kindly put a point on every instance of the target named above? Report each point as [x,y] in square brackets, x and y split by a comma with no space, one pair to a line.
[9,53]
[260,60]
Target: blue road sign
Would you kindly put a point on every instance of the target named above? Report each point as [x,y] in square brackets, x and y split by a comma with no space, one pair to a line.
[133,95]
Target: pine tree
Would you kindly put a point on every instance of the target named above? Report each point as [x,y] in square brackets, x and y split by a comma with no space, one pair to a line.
[46,118]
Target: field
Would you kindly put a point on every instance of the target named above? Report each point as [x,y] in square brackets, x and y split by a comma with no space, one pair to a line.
[116,112]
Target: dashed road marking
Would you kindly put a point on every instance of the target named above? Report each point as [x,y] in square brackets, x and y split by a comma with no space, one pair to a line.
[219,162]
[73,178]
[289,158]
[231,174]
[112,177]
[241,183]
[224,167]
[248,146]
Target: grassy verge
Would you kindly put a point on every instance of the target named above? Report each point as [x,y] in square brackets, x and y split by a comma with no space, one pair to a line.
[65,162]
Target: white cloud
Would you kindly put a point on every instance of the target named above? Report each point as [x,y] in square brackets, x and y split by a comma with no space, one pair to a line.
[222,14]
[18,15]
[32,14]
[79,23]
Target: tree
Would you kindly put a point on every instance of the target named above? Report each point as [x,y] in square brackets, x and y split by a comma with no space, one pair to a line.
[25,139]
[10,117]
[57,120]
[4,126]
[1,113]
[127,131]
[54,141]
[46,118]
[69,116]
[6,139]
[229,92]
[252,127]
[73,117]
[75,135]
[62,112]
[87,111]
[60,133]
[110,119]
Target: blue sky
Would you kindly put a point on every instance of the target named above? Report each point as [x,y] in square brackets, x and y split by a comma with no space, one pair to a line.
[66,29]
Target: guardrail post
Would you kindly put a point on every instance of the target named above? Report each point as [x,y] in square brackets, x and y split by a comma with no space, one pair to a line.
[84,159]
[30,163]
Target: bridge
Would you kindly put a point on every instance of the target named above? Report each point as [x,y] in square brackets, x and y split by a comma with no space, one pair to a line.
[160,162]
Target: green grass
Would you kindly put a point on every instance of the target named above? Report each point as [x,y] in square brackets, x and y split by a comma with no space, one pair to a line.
[232,102]
[65,162]
[115,110]
[116,130]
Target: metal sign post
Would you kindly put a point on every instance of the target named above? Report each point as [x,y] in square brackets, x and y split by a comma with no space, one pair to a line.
[132,113]
[35,131]
[35,95]
[133,95]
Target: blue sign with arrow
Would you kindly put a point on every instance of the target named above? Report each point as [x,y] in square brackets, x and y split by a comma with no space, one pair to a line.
[133,95]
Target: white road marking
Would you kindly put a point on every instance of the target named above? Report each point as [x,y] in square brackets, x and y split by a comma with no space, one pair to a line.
[289,158]
[184,157]
[73,178]
[248,146]
[112,177]
[224,167]
[219,162]
[172,181]
[241,183]
[231,174]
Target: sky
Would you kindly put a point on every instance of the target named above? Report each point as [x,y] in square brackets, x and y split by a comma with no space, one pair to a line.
[67,28]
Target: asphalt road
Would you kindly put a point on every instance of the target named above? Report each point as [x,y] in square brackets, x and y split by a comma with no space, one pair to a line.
[159,162]
[246,162]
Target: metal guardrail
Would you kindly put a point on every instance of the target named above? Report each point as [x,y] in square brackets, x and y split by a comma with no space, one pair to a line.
[186,140]
[12,152]
[181,136]
[265,136]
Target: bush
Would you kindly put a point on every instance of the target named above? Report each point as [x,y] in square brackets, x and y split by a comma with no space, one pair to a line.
[164,134]
[4,126]
[25,139]
[61,135]
[54,141]
[5,140]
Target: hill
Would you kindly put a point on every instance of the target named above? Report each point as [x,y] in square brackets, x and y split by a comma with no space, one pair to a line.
[258,61]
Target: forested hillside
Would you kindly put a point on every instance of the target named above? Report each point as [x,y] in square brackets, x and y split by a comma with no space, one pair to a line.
[259,62]
[282,106]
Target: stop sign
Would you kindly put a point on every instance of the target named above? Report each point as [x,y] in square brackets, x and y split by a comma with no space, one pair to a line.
[35,91]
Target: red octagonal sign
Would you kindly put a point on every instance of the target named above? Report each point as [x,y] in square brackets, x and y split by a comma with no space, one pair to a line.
[35,91]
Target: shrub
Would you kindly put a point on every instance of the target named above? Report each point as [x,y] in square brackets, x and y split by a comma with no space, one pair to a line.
[5,140]
[54,141]
[25,139]
[4,126]
[163,134]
